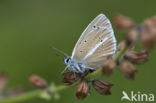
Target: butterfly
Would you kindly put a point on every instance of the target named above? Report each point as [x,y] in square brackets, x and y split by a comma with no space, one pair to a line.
[96,43]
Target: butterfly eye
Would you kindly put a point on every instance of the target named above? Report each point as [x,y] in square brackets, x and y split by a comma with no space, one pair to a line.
[67,60]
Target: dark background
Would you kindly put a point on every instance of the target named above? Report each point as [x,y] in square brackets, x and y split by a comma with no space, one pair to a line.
[29,27]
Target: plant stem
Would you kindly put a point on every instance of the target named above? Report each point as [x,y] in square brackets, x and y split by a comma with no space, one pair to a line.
[120,53]
[22,97]
[37,93]
[92,75]
[59,88]
[30,95]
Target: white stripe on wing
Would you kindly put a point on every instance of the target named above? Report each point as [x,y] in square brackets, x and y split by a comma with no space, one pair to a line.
[96,46]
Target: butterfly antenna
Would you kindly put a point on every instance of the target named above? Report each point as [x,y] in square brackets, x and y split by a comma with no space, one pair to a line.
[58,50]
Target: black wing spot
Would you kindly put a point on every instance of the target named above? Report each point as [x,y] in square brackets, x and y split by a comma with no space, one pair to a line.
[101,40]
[81,51]
[98,27]
[85,41]
[94,26]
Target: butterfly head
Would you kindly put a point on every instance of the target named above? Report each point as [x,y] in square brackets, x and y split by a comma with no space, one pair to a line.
[67,60]
[73,65]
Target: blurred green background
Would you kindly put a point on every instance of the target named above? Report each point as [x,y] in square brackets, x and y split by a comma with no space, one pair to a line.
[29,27]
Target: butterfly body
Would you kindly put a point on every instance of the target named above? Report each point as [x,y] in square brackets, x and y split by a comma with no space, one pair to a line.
[75,66]
[96,43]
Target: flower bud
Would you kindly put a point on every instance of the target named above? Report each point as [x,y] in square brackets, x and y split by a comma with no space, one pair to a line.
[108,66]
[138,57]
[147,41]
[132,36]
[153,33]
[122,22]
[154,19]
[3,81]
[70,77]
[150,25]
[82,90]
[121,45]
[37,81]
[102,87]
[150,22]
[125,43]
[128,69]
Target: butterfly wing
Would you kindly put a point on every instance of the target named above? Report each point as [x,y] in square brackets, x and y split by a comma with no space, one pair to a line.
[96,43]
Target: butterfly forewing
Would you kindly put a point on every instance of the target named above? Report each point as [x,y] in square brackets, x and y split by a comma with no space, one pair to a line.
[96,43]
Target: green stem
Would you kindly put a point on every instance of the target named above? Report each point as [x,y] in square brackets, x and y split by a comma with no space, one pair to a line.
[120,53]
[94,74]
[22,97]
[37,93]
[59,88]
[30,95]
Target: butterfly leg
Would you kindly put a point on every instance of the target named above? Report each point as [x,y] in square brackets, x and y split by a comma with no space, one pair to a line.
[64,70]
